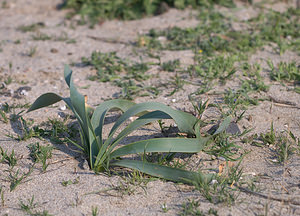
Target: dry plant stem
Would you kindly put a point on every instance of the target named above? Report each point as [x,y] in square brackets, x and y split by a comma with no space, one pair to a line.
[109,40]
[292,200]
[283,103]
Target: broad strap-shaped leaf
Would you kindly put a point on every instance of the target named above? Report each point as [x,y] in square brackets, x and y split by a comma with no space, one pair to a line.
[164,172]
[185,145]
[185,121]
[143,120]
[44,101]
[98,117]
[79,105]
[68,75]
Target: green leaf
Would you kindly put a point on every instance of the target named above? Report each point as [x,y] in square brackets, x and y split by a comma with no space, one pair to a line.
[143,120]
[169,173]
[186,145]
[224,125]
[44,101]
[185,121]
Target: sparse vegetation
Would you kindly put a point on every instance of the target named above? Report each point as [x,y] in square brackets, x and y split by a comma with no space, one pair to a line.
[224,71]
[95,11]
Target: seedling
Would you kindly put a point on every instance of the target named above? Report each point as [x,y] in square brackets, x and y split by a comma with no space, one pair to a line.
[41,36]
[70,182]
[171,66]
[281,143]
[102,153]
[27,132]
[11,159]
[285,71]
[164,208]
[32,27]
[40,154]
[95,211]
[222,188]
[191,208]
[32,51]
[15,178]
[30,206]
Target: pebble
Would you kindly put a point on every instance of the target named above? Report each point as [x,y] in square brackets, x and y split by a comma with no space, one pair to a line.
[63,108]
[24,92]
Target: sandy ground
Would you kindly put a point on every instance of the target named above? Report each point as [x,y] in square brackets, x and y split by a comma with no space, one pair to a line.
[44,73]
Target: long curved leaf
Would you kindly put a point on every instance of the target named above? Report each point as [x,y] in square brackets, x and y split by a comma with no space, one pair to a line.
[119,104]
[185,121]
[169,173]
[143,120]
[186,145]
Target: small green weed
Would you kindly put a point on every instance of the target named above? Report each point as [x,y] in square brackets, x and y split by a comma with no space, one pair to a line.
[131,9]
[15,177]
[32,51]
[70,182]
[284,144]
[171,66]
[31,28]
[223,146]
[95,211]
[109,67]
[218,67]
[285,72]
[164,208]
[39,36]
[280,28]
[222,188]
[11,159]
[29,207]
[254,81]
[191,208]
[40,153]
[26,130]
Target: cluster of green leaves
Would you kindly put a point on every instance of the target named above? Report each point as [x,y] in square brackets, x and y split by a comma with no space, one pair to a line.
[40,153]
[10,159]
[191,208]
[285,72]
[109,67]
[215,33]
[29,207]
[123,73]
[288,72]
[217,67]
[103,153]
[280,28]
[253,81]
[222,189]
[17,177]
[285,144]
[95,10]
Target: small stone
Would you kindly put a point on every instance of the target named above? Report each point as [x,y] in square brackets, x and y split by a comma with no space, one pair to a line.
[53,50]
[63,108]
[24,92]
[214,181]
[173,100]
